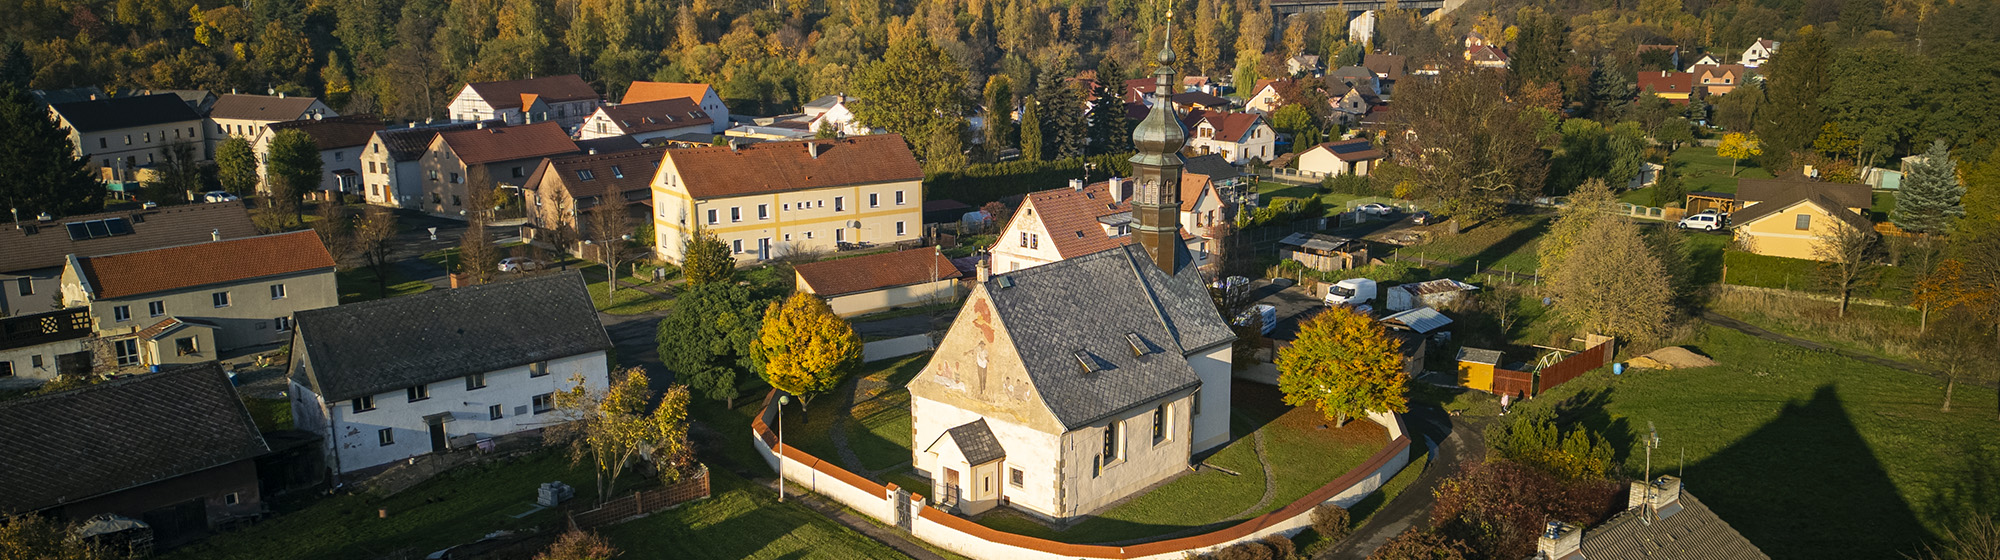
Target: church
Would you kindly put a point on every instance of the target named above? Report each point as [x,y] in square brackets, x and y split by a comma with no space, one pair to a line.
[1063,388]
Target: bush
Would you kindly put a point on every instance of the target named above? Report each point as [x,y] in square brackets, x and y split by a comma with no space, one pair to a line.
[1331,522]
[980,183]
[1281,547]
[1244,551]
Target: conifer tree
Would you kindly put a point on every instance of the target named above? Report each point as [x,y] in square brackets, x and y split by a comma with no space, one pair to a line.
[1931,198]
[1032,143]
[999,114]
[42,171]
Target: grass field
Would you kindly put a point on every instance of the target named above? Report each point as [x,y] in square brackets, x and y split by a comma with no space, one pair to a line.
[270,414]
[358,285]
[1702,170]
[1507,243]
[627,300]
[1335,202]
[1808,454]
[741,520]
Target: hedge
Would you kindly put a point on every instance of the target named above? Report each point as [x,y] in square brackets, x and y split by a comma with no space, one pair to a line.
[980,183]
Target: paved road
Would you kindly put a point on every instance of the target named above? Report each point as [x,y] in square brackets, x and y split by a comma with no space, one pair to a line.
[633,337]
[1457,441]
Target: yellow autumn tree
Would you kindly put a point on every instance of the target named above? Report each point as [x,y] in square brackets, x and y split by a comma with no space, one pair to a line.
[804,348]
[1737,147]
[1345,365]
[612,429]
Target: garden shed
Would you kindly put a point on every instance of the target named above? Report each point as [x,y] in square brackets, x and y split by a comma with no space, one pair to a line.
[1324,253]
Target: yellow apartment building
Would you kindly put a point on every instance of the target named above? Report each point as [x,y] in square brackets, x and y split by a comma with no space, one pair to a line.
[775,199]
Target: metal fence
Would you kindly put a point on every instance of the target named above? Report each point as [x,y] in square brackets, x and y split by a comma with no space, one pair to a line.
[693,487]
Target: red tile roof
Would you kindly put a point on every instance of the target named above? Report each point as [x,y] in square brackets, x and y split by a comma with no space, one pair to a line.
[45,244]
[554,89]
[1071,216]
[649,116]
[641,92]
[636,166]
[1229,127]
[1663,81]
[336,132]
[491,144]
[717,172]
[203,264]
[874,272]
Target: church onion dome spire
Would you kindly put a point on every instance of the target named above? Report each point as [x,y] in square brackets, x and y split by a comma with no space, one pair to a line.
[1160,135]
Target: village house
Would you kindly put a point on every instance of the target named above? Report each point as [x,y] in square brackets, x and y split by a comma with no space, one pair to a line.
[1080,219]
[1301,64]
[1486,56]
[881,282]
[1675,87]
[188,303]
[174,449]
[118,135]
[564,190]
[1265,98]
[1352,106]
[485,157]
[36,348]
[249,116]
[1353,156]
[1237,137]
[666,118]
[1225,177]
[1706,59]
[836,112]
[1789,218]
[340,141]
[1758,53]
[386,380]
[1717,79]
[702,95]
[390,162]
[32,255]
[565,99]
[1388,69]
[1345,78]
[1662,520]
[781,198]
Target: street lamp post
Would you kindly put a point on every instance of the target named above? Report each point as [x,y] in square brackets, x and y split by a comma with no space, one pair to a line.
[782,401]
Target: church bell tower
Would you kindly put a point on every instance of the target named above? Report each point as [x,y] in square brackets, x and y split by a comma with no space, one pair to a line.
[1156,169]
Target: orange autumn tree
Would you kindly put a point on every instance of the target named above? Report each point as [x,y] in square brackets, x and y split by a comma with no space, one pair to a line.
[804,348]
[1345,365]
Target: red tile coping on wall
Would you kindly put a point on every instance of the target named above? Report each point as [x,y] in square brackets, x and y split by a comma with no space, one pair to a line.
[1399,446]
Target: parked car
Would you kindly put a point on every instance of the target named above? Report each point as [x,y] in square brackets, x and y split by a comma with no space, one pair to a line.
[219,196]
[1352,291]
[1705,221]
[518,264]
[1423,218]
[1376,209]
[1266,315]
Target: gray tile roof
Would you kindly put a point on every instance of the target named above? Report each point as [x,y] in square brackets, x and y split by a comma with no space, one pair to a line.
[976,442]
[125,112]
[406,144]
[384,345]
[1478,355]
[1212,165]
[1080,310]
[1693,532]
[113,436]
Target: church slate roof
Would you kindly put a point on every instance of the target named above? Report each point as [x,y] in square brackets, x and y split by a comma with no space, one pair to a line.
[373,347]
[1692,532]
[1070,321]
[976,442]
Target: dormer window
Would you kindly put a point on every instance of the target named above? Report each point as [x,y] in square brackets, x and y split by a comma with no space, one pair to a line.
[1085,362]
[1139,346]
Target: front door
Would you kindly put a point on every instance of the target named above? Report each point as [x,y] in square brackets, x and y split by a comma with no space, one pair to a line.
[437,437]
[950,486]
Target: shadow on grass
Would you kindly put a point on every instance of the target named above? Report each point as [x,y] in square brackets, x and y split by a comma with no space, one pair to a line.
[1974,483]
[1494,253]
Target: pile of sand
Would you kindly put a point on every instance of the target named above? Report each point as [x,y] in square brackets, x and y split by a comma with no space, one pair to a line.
[1671,357]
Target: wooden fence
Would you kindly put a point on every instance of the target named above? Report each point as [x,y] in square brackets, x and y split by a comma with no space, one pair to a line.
[1519,384]
[1573,366]
[693,487]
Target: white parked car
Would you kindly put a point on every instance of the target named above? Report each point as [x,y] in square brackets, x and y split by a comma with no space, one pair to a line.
[518,264]
[1377,209]
[219,196]
[1705,221]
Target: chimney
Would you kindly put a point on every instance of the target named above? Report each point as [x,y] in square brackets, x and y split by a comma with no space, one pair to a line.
[1117,189]
[815,148]
[1660,500]
[984,269]
[593,151]
[281,95]
[1076,184]
[732,145]
[481,125]
[1559,541]
[215,235]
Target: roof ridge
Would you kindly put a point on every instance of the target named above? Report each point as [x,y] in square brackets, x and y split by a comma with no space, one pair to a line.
[102,385]
[197,243]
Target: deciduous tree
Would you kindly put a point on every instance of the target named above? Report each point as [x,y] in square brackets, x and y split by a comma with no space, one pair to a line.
[1792,112]
[1530,437]
[236,166]
[293,167]
[999,114]
[706,337]
[613,428]
[705,259]
[1469,146]
[610,242]
[1674,132]
[1613,285]
[1421,544]
[1931,198]
[580,545]
[1849,259]
[912,91]
[374,238]
[804,348]
[178,174]
[35,537]
[1498,507]
[1344,365]
[1737,147]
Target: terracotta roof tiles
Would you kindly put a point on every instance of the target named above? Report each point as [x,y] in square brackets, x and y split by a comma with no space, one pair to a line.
[168,226]
[649,116]
[641,92]
[491,144]
[878,271]
[716,172]
[553,89]
[215,262]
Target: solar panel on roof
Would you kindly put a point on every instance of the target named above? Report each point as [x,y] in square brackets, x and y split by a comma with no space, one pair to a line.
[1351,148]
[118,226]
[97,228]
[77,232]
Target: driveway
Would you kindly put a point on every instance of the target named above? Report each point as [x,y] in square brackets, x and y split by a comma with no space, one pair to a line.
[1293,304]
[1456,441]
